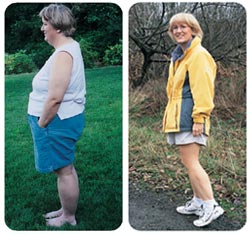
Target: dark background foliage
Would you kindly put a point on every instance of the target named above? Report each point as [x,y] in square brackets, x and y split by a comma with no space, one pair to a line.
[99,27]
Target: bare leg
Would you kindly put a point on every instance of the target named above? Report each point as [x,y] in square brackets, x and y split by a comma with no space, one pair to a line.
[199,179]
[68,189]
[59,212]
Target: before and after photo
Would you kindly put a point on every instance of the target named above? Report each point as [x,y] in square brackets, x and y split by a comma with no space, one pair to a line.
[68,79]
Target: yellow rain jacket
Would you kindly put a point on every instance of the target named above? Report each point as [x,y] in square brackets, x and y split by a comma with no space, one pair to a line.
[190,89]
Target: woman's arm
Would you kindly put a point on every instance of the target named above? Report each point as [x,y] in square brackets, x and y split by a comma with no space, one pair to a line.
[58,84]
[202,72]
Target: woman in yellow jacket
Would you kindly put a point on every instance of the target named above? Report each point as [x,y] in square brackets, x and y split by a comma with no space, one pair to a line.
[190,92]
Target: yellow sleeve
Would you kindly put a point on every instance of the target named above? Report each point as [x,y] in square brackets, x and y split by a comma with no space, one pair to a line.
[202,73]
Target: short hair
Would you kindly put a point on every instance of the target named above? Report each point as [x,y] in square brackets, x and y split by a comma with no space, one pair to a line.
[60,17]
[188,19]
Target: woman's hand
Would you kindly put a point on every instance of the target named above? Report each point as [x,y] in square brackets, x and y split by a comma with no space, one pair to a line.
[197,129]
[41,125]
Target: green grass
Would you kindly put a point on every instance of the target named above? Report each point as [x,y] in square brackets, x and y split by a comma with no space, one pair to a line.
[29,194]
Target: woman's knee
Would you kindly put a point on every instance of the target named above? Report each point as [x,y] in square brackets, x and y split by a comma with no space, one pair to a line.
[189,155]
[187,162]
[68,170]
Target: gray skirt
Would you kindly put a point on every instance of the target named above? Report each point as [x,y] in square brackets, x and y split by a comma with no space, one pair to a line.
[184,138]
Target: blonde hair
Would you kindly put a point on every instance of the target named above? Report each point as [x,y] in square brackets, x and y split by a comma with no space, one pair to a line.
[188,19]
[60,17]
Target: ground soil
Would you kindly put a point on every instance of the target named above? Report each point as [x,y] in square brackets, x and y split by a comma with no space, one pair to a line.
[156,210]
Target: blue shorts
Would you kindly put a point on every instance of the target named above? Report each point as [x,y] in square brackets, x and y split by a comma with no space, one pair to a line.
[54,146]
[184,138]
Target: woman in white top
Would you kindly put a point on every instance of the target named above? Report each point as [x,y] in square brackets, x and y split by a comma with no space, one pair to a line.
[56,110]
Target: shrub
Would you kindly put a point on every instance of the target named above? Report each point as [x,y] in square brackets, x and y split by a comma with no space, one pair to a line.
[39,52]
[18,63]
[90,56]
[113,55]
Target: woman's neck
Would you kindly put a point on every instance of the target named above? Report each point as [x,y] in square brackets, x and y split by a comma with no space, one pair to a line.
[186,45]
[61,40]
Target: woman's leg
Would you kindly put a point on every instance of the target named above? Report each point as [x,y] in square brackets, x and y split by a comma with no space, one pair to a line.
[199,179]
[202,188]
[68,190]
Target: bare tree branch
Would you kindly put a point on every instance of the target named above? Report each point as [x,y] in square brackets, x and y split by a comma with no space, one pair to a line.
[223,24]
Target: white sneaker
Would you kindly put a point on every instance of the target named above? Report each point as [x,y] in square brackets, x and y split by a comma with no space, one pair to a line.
[208,216]
[190,208]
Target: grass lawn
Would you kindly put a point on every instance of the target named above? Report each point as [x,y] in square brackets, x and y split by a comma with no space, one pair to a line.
[29,194]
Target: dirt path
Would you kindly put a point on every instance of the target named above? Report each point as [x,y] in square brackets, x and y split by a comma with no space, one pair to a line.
[150,210]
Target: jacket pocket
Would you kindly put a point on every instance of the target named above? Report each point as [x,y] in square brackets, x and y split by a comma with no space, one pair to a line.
[171,118]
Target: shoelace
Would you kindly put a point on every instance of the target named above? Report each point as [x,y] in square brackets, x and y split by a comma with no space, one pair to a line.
[189,203]
[202,215]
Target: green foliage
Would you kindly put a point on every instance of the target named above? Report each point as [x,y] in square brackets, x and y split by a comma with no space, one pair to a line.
[22,27]
[113,55]
[98,160]
[40,52]
[99,25]
[100,22]
[89,55]
[18,63]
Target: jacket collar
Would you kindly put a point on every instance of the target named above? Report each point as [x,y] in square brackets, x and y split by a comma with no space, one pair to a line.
[178,53]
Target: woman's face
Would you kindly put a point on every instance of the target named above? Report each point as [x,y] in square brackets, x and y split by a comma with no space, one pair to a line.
[182,33]
[49,31]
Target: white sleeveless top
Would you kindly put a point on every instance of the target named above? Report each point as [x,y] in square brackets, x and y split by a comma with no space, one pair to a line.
[73,102]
